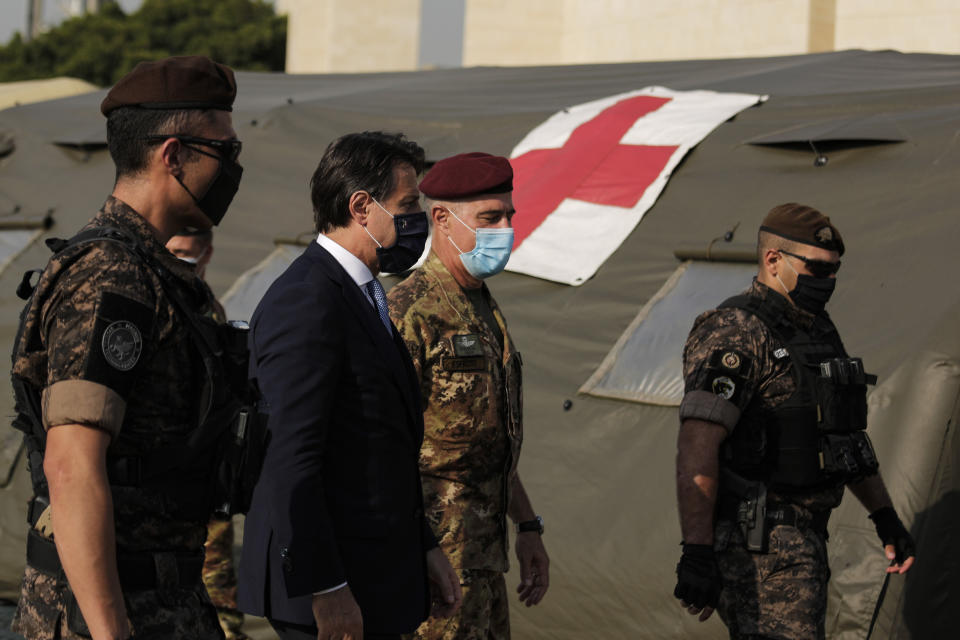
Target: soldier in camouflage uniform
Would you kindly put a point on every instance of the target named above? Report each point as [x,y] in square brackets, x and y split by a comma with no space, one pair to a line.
[772,430]
[220,577]
[469,373]
[115,546]
[195,247]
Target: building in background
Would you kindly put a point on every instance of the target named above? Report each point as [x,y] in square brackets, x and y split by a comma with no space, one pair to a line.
[330,36]
[38,12]
[325,36]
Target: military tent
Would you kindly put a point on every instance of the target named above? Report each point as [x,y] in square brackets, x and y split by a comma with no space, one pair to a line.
[29,91]
[870,138]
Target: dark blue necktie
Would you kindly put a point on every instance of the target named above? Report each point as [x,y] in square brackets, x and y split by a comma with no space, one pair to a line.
[375,290]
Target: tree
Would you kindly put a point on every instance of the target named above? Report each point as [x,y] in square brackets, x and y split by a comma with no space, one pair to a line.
[102,47]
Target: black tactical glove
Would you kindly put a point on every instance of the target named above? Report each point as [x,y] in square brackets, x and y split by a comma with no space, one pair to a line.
[891,531]
[698,577]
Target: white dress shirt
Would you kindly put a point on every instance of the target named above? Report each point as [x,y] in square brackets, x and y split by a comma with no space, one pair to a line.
[353,265]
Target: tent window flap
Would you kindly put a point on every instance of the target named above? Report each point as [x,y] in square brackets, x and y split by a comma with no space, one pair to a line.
[242,298]
[645,365]
[14,242]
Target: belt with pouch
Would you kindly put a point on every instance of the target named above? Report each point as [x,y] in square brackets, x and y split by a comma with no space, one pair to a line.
[793,517]
[138,571]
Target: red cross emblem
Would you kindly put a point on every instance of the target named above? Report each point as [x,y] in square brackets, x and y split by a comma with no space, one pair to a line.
[592,166]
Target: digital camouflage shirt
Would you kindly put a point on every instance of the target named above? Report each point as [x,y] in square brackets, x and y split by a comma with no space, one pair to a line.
[732,363]
[471,394]
[104,343]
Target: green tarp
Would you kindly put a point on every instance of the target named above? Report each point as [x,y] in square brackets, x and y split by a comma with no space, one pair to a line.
[601,473]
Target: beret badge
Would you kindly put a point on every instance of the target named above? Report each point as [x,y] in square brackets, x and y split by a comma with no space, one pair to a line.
[824,235]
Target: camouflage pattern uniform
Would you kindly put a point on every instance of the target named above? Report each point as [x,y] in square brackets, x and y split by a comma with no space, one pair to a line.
[471,389]
[220,577]
[219,574]
[734,365]
[104,342]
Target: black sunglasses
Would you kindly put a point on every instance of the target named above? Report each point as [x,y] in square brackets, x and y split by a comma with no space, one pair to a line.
[818,268]
[228,149]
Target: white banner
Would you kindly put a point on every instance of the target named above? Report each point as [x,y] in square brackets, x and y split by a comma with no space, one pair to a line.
[584,178]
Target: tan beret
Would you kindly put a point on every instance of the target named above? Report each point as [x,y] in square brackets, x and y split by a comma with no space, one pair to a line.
[803,224]
[181,82]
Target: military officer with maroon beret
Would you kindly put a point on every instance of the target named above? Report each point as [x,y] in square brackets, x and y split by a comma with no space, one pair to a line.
[469,372]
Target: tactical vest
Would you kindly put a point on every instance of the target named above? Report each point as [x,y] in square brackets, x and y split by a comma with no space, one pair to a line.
[214,469]
[816,437]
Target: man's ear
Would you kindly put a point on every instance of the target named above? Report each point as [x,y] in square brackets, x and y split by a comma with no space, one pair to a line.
[441,217]
[172,155]
[358,204]
[771,261]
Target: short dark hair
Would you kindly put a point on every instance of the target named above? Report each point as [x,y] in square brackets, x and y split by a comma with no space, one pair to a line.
[358,162]
[129,127]
[767,240]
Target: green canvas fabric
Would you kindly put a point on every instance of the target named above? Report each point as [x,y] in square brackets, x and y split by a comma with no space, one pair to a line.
[601,472]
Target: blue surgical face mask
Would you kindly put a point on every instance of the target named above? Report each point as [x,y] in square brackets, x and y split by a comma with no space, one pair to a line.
[491,253]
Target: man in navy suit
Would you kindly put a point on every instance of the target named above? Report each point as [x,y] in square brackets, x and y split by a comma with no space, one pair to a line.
[336,544]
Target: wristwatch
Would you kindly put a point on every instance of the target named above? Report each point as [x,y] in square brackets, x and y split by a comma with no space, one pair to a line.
[531,525]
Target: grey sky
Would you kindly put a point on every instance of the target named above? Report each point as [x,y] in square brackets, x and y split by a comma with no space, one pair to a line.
[441,33]
[441,39]
[13,14]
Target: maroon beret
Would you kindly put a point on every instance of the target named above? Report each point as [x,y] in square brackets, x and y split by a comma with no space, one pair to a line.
[181,82]
[803,224]
[468,174]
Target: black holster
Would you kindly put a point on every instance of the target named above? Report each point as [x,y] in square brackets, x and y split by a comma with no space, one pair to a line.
[241,459]
[748,508]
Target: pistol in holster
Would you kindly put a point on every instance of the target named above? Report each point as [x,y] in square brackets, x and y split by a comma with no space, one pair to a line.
[751,512]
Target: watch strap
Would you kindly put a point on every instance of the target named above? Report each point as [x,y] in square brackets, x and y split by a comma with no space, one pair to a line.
[531,525]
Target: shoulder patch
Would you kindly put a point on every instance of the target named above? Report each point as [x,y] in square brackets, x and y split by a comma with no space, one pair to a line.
[728,386]
[731,361]
[121,332]
[723,387]
[122,344]
[726,374]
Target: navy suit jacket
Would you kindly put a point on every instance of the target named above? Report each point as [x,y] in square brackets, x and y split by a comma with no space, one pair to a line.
[339,498]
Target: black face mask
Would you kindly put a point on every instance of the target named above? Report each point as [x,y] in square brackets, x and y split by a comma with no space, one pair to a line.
[219,194]
[812,294]
[412,230]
